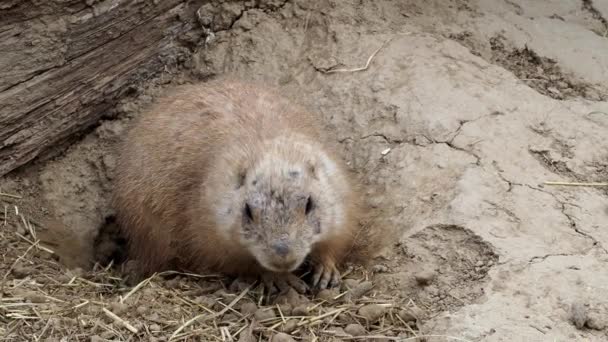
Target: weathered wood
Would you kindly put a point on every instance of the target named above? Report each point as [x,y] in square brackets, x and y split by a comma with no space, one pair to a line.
[63,63]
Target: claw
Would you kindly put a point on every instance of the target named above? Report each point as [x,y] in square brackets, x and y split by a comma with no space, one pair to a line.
[283,282]
[326,275]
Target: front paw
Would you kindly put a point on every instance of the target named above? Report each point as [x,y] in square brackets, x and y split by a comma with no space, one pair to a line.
[326,275]
[283,282]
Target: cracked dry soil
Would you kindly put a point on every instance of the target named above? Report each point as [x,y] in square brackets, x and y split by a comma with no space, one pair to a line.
[463,114]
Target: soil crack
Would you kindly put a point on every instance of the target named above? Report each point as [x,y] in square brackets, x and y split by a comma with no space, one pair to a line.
[570,218]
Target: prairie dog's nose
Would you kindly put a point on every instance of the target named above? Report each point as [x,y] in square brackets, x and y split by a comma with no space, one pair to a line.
[281,248]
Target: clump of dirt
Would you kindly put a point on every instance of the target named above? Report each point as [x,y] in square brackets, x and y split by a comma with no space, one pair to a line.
[448,265]
[541,73]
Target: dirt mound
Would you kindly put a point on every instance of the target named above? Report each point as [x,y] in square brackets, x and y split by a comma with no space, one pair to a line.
[455,133]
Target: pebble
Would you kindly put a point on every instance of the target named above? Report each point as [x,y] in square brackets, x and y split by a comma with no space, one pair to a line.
[75,272]
[291,297]
[154,327]
[20,272]
[579,315]
[425,277]
[407,316]
[35,298]
[96,338]
[480,263]
[282,337]
[142,309]
[338,332]
[372,312]
[350,284]
[248,308]
[361,289]
[118,308]
[596,322]
[290,326]
[286,309]
[355,330]
[379,269]
[300,310]
[106,335]
[262,314]
[328,294]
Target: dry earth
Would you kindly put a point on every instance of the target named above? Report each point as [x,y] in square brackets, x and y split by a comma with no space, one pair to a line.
[467,108]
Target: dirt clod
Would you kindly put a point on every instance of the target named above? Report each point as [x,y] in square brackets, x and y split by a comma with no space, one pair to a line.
[248,308]
[372,312]
[282,337]
[264,314]
[361,289]
[300,310]
[578,315]
[354,329]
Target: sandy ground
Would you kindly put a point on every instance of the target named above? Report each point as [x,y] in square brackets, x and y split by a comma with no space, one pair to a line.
[466,109]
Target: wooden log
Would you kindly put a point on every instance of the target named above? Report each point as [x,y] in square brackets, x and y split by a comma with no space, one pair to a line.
[63,64]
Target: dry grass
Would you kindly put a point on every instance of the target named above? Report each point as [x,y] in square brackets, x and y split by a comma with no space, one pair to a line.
[41,301]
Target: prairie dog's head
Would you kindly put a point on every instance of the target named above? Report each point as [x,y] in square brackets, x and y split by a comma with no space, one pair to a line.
[284,202]
[280,214]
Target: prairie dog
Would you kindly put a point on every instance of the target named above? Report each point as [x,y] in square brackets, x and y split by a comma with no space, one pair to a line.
[231,177]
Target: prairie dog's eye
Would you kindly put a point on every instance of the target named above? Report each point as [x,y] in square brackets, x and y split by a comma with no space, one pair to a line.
[247,212]
[310,205]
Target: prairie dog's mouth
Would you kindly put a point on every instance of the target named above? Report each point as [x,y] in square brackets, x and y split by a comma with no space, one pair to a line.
[280,267]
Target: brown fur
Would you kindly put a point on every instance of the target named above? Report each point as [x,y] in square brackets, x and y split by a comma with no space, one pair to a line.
[186,144]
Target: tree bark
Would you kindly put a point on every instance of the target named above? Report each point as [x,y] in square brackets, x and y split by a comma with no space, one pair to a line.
[64,63]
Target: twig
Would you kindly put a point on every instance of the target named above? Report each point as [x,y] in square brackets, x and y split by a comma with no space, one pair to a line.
[576,184]
[207,316]
[136,288]
[120,321]
[3,194]
[365,67]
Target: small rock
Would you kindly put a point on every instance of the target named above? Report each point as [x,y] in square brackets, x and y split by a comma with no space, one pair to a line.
[229,317]
[154,327]
[355,330]
[379,269]
[425,277]
[118,308]
[407,316]
[328,294]
[106,335]
[238,285]
[142,309]
[248,308]
[372,312]
[282,337]
[579,315]
[34,297]
[480,263]
[247,335]
[300,310]
[361,289]
[290,326]
[207,302]
[596,322]
[286,309]
[20,272]
[263,314]
[96,338]
[173,283]
[349,284]
[337,332]
[291,297]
